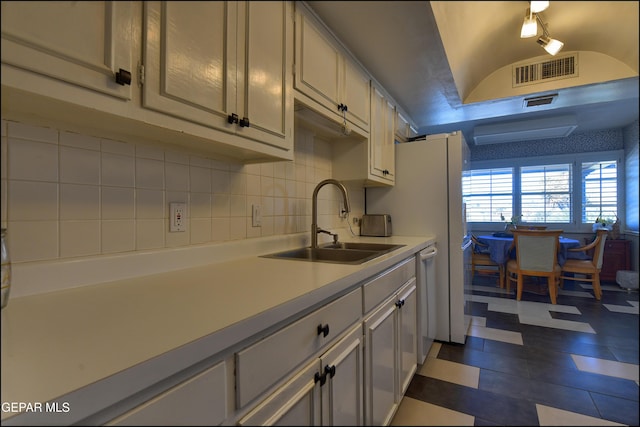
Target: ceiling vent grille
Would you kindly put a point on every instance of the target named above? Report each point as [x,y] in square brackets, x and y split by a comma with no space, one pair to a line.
[538,72]
[537,101]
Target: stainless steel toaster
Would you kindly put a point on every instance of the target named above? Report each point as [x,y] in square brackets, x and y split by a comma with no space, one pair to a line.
[376,225]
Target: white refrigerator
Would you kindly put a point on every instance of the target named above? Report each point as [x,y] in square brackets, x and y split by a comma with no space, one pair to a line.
[427,199]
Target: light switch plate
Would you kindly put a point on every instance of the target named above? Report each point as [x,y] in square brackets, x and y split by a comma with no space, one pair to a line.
[256,216]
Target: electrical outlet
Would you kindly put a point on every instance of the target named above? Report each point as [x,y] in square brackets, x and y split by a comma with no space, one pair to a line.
[256,216]
[178,217]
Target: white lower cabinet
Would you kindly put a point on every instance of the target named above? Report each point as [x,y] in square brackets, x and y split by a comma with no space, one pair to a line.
[390,353]
[327,391]
[201,400]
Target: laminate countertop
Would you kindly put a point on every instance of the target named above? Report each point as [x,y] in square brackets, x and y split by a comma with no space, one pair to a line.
[81,344]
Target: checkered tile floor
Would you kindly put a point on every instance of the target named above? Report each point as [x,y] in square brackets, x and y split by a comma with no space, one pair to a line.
[532,363]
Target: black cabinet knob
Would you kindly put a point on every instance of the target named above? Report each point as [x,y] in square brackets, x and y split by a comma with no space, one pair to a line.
[320,377]
[324,330]
[244,122]
[232,118]
[330,370]
[123,77]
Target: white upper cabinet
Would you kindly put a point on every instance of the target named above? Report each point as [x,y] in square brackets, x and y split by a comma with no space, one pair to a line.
[86,44]
[404,129]
[214,77]
[326,75]
[224,65]
[382,138]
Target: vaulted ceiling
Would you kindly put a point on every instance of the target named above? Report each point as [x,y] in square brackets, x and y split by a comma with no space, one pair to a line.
[442,60]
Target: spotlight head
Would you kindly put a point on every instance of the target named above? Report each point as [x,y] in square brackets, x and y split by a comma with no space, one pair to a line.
[529,26]
[552,46]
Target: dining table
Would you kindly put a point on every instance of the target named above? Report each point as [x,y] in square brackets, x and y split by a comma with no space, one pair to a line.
[500,251]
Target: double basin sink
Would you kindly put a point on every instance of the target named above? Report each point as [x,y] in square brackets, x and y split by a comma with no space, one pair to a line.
[340,253]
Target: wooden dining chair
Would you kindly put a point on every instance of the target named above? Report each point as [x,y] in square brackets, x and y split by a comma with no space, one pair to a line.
[481,262]
[537,256]
[535,227]
[588,269]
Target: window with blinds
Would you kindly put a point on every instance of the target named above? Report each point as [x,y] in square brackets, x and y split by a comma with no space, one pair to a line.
[546,193]
[570,194]
[599,190]
[488,194]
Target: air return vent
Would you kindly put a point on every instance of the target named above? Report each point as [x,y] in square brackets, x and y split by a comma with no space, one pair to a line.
[545,71]
[537,101]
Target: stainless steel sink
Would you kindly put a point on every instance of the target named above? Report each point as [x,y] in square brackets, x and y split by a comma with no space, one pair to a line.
[340,253]
[362,246]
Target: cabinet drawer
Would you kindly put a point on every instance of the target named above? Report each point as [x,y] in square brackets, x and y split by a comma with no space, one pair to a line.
[381,287]
[198,401]
[262,364]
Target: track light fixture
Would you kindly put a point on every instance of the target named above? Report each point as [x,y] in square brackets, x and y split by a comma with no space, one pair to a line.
[530,28]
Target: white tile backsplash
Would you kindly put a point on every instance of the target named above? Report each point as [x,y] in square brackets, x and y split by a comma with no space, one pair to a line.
[150,204]
[32,133]
[149,173]
[176,177]
[66,195]
[79,166]
[118,203]
[79,202]
[32,160]
[33,201]
[118,170]
[79,238]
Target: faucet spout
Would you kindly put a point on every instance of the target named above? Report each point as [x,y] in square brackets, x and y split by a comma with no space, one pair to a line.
[314,224]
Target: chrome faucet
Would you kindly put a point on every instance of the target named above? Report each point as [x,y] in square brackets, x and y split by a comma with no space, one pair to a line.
[314,224]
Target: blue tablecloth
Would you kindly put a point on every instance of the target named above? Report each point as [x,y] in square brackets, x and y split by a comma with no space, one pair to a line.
[499,248]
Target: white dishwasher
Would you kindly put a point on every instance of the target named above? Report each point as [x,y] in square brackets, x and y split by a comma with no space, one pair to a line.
[426,293]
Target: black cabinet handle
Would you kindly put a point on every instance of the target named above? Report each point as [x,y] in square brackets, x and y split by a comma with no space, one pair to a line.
[244,122]
[330,370]
[232,118]
[342,107]
[400,303]
[324,330]
[320,377]
[123,77]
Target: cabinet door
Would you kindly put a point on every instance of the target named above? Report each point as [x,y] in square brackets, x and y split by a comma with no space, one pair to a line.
[190,60]
[265,90]
[380,365]
[356,89]
[296,403]
[342,401]
[404,129]
[81,43]
[407,336]
[317,63]
[381,139]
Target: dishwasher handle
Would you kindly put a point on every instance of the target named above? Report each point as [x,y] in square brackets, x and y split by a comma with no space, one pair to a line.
[428,254]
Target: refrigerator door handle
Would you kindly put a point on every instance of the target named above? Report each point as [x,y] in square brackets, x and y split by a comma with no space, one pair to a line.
[428,255]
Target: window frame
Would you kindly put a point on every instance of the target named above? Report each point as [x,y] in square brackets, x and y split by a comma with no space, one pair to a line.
[576,161]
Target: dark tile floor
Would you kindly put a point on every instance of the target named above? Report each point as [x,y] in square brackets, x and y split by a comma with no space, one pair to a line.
[545,372]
